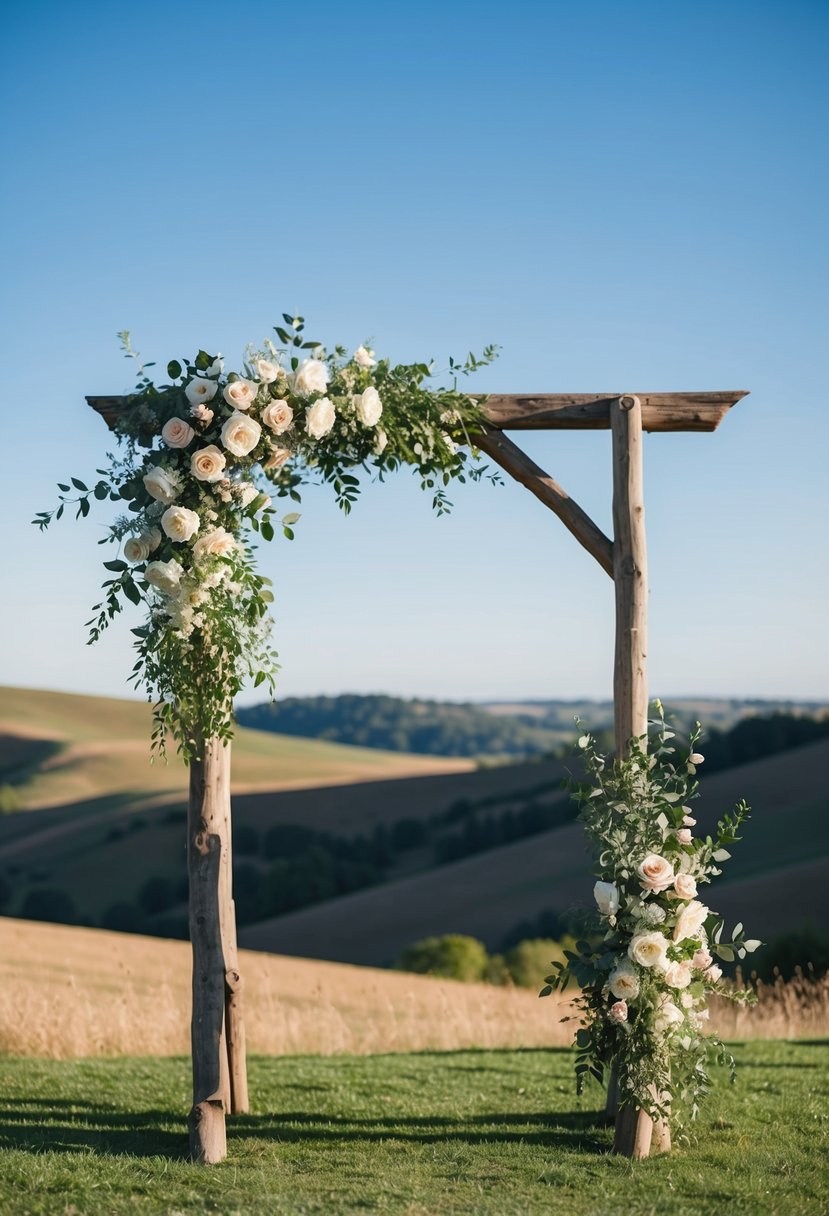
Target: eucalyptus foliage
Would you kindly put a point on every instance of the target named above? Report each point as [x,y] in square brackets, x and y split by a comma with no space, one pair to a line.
[204,462]
[645,974]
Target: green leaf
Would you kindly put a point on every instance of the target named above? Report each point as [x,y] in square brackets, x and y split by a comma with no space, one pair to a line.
[291,518]
[131,591]
[61,486]
[101,491]
[546,990]
[174,369]
[721,855]
[203,360]
[116,566]
[287,533]
[83,506]
[267,529]
[78,484]
[283,337]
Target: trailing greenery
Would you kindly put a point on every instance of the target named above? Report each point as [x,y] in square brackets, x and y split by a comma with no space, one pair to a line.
[197,455]
[494,1133]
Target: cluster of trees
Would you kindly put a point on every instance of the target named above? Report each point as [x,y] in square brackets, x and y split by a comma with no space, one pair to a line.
[455,956]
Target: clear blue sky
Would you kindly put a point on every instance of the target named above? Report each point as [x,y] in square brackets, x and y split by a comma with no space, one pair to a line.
[625,196]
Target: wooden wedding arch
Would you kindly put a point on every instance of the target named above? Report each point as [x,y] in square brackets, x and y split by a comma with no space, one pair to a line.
[217,1027]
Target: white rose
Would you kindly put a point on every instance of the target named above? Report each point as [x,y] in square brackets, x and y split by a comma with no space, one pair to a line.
[278,416]
[702,960]
[690,920]
[320,418]
[623,982]
[606,896]
[216,543]
[656,873]
[649,950]
[153,538]
[241,434]
[311,377]
[267,371]
[180,523]
[684,836]
[277,458]
[202,414]
[713,974]
[208,464]
[247,492]
[177,433]
[380,442]
[199,391]
[166,576]
[160,485]
[137,549]
[369,406]
[685,886]
[667,1015]
[241,394]
[678,975]
[363,357]
[688,821]
[618,1011]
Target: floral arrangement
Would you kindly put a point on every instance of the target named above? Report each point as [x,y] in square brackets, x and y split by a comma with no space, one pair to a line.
[202,459]
[646,972]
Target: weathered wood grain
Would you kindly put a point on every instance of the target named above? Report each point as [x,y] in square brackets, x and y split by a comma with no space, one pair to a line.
[591,411]
[519,465]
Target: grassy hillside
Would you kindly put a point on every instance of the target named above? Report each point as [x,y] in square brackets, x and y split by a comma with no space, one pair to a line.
[776,879]
[58,748]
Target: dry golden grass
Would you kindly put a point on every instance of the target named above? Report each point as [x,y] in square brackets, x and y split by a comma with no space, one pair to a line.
[67,992]
[797,1008]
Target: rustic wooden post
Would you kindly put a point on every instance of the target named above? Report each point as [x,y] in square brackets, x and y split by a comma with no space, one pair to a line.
[217,1032]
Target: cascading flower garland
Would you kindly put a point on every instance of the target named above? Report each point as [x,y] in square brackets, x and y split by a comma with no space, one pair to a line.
[646,973]
[202,460]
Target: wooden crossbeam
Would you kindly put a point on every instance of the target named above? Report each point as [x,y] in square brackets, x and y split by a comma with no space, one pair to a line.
[591,411]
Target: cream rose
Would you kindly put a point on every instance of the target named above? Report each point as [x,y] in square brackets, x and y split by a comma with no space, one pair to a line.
[311,377]
[656,873]
[208,464]
[690,921]
[201,414]
[713,974]
[166,576]
[684,835]
[369,406]
[380,442]
[320,418]
[241,434]
[702,960]
[685,886]
[267,371]
[176,433]
[623,982]
[241,394]
[137,549]
[278,416]
[363,357]
[606,896]
[618,1011]
[180,523]
[649,950]
[218,542]
[161,485]
[277,458]
[199,391]
[247,492]
[678,975]
[667,1015]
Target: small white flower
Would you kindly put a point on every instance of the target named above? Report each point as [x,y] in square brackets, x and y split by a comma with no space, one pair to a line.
[667,1015]
[199,391]
[247,493]
[311,377]
[618,1011]
[363,357]
[623,981]
[202,414]
[216,367]
[320,418]
[713,974]
[702,960]
[380,441]
[684,836]
[266,371]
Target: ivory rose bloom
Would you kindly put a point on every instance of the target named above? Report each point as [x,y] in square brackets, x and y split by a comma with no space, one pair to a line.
[690,920]
[136,549]
[702,960]
[241,394]
[684,836]
[278,416]
[166,576]
[369,406]
[618,1011]
[218,542]
[363,357]
[208,464]
[161,485]
[656,873]
[311,377]
[277,458]
[667,1015]
[199,391]
[267,371]
[247,492]
[176,433]
[320,418]
[685,886]
[649,950]
[240,434]
[606,896]
[201,414]
[623,982]
[713,973]
[678,975]
[380,442]
[180,523]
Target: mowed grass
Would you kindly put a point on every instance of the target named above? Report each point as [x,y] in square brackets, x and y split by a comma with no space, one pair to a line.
[473,1132]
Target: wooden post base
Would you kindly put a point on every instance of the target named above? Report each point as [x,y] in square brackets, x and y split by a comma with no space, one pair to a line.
[208,1140]
[638,1136]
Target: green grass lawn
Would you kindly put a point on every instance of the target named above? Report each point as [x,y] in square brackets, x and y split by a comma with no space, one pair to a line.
[489,1132]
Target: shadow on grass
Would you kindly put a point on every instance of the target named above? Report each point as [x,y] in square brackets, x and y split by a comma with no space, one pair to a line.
[46,1125]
